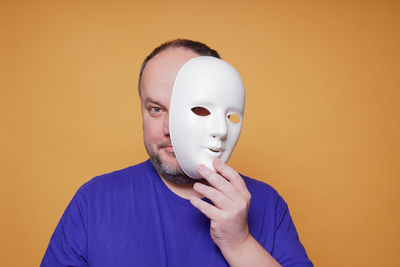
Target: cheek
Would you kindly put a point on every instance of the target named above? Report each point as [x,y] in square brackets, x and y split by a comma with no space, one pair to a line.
[151,130]
[233,136]
[197,132]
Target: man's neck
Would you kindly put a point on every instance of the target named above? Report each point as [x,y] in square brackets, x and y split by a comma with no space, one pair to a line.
[182,190]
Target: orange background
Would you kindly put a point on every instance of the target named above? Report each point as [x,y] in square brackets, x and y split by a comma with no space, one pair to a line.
[321,122]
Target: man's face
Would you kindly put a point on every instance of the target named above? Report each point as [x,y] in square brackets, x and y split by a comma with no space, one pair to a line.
[155,94]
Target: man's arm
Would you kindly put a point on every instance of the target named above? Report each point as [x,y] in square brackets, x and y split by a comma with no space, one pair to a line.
[229,228]
[68,244]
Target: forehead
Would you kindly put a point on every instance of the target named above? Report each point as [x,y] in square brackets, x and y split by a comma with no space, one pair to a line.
[160,72]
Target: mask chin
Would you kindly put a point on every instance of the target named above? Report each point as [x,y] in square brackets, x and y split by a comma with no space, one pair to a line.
[208,92]
[192,160]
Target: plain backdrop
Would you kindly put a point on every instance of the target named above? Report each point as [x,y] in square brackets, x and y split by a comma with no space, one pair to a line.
[321,123]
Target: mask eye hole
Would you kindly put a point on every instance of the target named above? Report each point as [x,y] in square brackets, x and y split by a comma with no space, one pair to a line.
[234,118]
[200,111]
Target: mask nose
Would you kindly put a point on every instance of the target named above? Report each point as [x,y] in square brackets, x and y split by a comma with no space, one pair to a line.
[218,128]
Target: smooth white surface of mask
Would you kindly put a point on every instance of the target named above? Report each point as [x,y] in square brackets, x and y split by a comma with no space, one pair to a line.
[206,113]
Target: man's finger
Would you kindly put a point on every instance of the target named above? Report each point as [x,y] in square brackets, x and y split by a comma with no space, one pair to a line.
[207,209]
[219,199]
[230,174]
[217,181]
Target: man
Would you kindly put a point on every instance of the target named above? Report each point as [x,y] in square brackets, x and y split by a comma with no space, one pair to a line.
[152,214]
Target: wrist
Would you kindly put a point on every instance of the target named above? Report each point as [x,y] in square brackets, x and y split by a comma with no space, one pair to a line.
[236,248]
[248,253]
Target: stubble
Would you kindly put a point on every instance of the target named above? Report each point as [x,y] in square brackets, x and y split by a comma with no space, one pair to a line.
[171,173]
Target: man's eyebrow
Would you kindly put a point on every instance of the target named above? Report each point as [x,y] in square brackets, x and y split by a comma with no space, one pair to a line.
[149,100]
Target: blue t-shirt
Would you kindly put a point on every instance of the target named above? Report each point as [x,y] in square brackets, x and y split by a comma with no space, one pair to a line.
[131,218]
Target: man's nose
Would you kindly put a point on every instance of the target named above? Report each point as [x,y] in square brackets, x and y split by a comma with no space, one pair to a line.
[218,127]
[166,126]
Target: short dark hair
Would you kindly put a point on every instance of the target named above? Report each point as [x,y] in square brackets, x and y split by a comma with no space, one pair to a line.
[197,47]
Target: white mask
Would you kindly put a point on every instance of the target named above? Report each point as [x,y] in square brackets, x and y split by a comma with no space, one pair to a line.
[206,113]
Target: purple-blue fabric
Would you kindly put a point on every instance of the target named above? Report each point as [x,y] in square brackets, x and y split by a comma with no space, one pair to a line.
[130,218]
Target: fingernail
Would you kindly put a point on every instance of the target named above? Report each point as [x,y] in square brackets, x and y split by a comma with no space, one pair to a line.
[217,161]
[196,186]
[200,167]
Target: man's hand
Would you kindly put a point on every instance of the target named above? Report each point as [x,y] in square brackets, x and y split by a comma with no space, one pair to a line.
[229,228]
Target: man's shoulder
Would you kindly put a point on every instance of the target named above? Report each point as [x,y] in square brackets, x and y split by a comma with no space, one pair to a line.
[264,200]
[116,179]
[258,187]
[262,192]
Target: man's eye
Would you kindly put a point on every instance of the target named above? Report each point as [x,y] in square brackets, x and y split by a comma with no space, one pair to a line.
[155,109]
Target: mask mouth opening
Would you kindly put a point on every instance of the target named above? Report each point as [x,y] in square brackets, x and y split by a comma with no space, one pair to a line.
[216,149]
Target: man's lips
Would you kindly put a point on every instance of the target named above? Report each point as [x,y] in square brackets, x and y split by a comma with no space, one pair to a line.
[168,148]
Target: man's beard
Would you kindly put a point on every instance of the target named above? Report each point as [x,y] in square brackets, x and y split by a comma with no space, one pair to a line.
[174,175]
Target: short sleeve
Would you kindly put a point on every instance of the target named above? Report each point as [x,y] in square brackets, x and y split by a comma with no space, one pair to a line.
[68,244]
[288,250]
